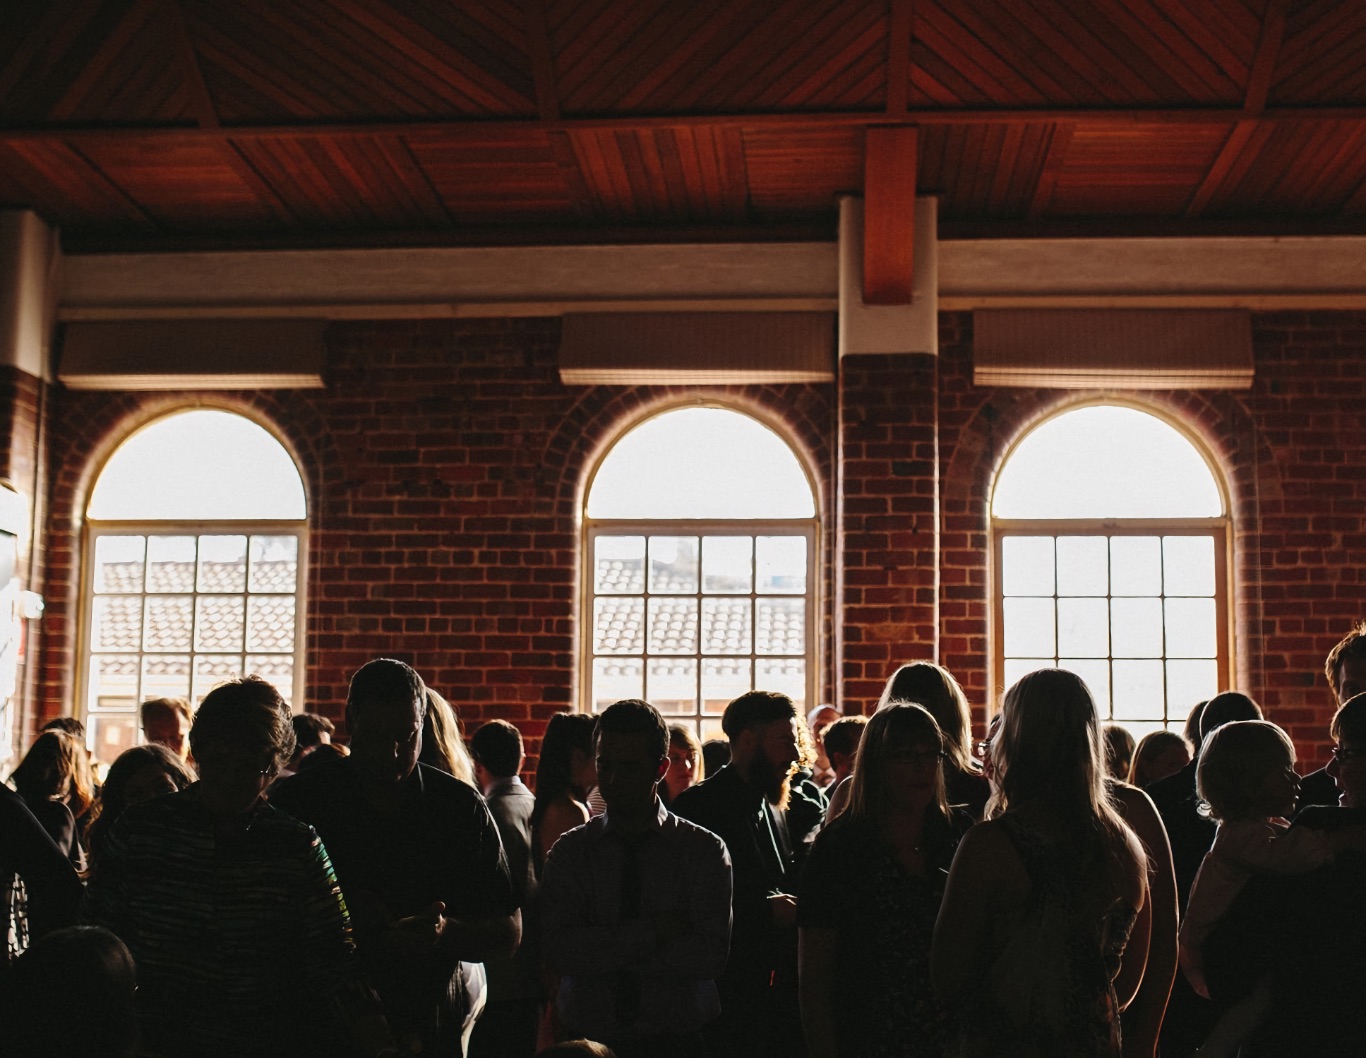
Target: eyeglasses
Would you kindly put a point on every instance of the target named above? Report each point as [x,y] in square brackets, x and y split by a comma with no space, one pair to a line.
[1343,754]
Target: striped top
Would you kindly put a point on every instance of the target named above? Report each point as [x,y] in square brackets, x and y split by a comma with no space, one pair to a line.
[242,939]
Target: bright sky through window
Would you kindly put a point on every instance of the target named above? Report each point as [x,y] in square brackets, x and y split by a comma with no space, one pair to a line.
[200,465]
[1106,462]
[700,463]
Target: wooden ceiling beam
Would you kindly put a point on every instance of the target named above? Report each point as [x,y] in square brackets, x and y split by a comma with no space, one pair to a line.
[542,61]
[201,102]
[902,19]
[1264,57]
[483,130]
[889,177]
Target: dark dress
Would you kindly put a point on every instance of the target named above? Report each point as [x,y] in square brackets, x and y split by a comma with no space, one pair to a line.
[884,917]
[1050,991]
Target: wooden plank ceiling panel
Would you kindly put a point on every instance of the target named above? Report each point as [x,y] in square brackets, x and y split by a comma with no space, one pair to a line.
[1133,169]
[964,52]
[73,191]
[483,177]
[847,72]
[1308,168]
[984,170]
[1321,54]
[1192,75]
[793,171]
[316,185]
[189,182]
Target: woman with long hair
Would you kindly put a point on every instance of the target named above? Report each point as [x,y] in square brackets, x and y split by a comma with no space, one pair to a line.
[443,744]
[565,772]
[870,894]
[56,782]
[138,775]
[934,687]
[1042,898]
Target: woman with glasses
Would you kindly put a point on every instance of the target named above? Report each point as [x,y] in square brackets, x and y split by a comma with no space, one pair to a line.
[229,906]
[870,893]
[1042,898]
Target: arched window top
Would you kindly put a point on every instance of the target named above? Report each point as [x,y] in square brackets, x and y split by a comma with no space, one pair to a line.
[697,463]
[200,465]
[1106,461]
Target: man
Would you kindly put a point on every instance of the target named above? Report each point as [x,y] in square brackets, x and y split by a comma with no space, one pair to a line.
[841,744]
[1345,670]
[507,1028]
[166,722]
[744,803]
[417,855]
[636,904]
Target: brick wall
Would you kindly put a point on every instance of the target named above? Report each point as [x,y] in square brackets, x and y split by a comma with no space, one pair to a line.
[445,461]
[444,464]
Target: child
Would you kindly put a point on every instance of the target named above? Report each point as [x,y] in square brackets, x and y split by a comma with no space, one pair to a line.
[1247,778]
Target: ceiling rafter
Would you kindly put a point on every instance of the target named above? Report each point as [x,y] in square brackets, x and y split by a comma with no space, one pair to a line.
[201,101]
[899,57]
[97,66]
[542,61]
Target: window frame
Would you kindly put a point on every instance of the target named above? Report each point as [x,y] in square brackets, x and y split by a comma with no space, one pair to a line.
[809,528]
[96,529]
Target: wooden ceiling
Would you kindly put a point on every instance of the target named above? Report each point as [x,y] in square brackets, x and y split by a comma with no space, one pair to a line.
[178,123]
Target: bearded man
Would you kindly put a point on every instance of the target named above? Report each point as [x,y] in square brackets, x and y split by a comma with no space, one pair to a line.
[744,804]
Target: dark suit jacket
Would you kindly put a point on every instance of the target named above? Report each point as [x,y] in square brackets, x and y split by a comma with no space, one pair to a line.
[510,803]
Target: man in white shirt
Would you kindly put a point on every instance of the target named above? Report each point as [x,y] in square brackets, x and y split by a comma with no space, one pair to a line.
[636,904]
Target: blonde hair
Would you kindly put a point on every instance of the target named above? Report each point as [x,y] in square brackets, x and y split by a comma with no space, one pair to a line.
[683,735]
[442,744]
[1236,761]
[1149,748]
[893,723]
[933,687]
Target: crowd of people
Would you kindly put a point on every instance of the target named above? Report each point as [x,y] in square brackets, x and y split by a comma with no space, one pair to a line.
[814,884]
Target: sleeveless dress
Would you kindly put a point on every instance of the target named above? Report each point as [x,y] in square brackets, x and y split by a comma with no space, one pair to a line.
[1050,992]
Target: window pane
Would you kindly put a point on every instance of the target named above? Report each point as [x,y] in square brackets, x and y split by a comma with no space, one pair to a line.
[113,683]
[727,564]
[1189,682]
[222,563]
[619,565]
[199,465]
[1096,673]
[784,675]
[701,463]
[169,620]
[781,562]
[673,626]
[116,622]
[1027,563]
[671,686]
[1135,565]
[170,563]
[1017,667]
[781,626]
[724,680]
[1138,690]
[270,623]
[619,627]
[218,622]
[119,563]
[277,669]
[1136,628]
[1191,628]
[1029,628]
[615,679]
[210,670]
[726,627]
[1188,562]
[673,565]
[274,563]
[1083,628]
[165,676]
[1083,565]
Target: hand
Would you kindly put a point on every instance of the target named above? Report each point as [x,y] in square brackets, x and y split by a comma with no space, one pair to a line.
[784,908]
[418,934]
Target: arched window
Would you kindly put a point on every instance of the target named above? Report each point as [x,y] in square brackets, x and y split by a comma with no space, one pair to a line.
[194,552]
[700,571]
[1110,537]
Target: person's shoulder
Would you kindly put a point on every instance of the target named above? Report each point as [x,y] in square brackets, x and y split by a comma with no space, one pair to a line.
[694,834]
[1326,817]
[576,842]
[1174,788]
[315,781]
[713,791]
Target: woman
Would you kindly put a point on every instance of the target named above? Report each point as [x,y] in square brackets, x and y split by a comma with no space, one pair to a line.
[56,783]
[870,894]
[685,763]
[230,907]
[443,746]
[1158,754]
[934,687]
[137,776]
[1042,898]
[565,773]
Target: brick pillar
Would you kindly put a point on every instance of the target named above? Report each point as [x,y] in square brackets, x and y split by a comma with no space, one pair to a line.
[887,531]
